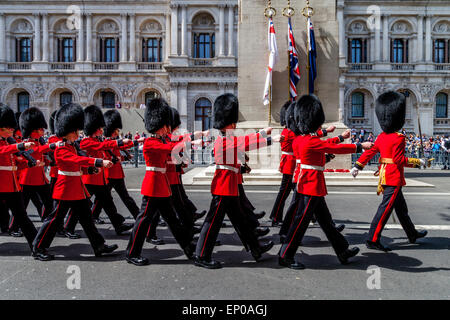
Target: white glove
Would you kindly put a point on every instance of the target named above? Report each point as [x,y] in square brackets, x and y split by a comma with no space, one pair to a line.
[423,163]
[354,172]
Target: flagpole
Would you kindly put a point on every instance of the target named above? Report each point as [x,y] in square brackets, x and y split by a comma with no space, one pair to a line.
[288,12]
[308,12]
[270,12]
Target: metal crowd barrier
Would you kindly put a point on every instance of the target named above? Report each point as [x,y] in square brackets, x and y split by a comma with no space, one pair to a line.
[441,157]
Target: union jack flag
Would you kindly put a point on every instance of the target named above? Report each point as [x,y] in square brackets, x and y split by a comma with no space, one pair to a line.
[294,69]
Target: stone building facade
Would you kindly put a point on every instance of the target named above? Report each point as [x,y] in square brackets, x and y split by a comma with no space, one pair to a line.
[118,52]
[397,45]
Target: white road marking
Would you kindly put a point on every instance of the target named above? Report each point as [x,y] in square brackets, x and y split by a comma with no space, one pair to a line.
[399,227]
[368,193]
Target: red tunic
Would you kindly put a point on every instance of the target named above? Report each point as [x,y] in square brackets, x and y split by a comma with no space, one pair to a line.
[226,151]
[9,179]
[390,146]
[287,161]
[70,187]
[35,176]
[312,152]
[116,171]
[54,169]
[156,152]
[95,148]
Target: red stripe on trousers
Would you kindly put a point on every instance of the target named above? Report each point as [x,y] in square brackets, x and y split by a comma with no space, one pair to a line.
[212,222]
[303,216]
[279,204]
[56,214]
[137,231]
[386,211]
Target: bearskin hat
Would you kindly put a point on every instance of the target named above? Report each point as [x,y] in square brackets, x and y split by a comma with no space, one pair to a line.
[157,115]
[51,123]
[226,111]
[93,119]
[30,120]
[69,118]
[176,122]
[7,117]
[391,110]
[283,113]
[289,118]
[308,114]
[113,121]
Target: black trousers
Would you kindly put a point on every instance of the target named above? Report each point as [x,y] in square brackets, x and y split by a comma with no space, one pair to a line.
[221,205]
[121,189]
[308,205]
[82,209]
[285,189]
[247,208]
[44,192]
[150,206]
[14,201]
[4,216]
[290,214]
[103,194]
[189,204]
[34,197]
[392,199]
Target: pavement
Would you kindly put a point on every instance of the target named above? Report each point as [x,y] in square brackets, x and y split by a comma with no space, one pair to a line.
[410,271]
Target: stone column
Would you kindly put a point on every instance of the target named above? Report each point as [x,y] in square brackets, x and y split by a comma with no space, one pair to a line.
[377,42]
[341,22]
[231,30]
[132,37]
[182,102]
[123,40]
[174,95]
[89,37]
[37,38]
[420,37]
[174,29]
[183,30]
[167,40]
[80,41]
[2,38]
[221,30]
[386,46]
[428,44]
[45,48]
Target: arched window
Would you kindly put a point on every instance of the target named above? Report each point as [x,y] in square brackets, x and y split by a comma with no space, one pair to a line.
[357,105]
[64,98]
[152,50]
[400,51]
[203,113]
[203,35]
[151,95]
[108,99]
[23,101]
[441,105]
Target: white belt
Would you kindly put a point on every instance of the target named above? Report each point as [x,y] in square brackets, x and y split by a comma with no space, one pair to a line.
[156,169]
[70,173]
[223,167]
[287,153]
[298,161]
[309,167]
[10,168]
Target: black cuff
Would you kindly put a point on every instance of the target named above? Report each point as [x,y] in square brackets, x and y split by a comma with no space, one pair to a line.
[357,166]
[192,137]
[21,146]
[52,146]
[120,143]
[98,163]
[324,132]
[269,141]
[341,138]
[359,148]
[135,143]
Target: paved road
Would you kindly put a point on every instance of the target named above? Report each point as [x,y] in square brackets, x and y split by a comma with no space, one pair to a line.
[419,271]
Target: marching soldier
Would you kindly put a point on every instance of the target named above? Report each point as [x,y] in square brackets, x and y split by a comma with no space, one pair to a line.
[115,174]
[390,110]
[69,191]
[155,188]
[311,188]
[10,190]
[96,184]
[224,188]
